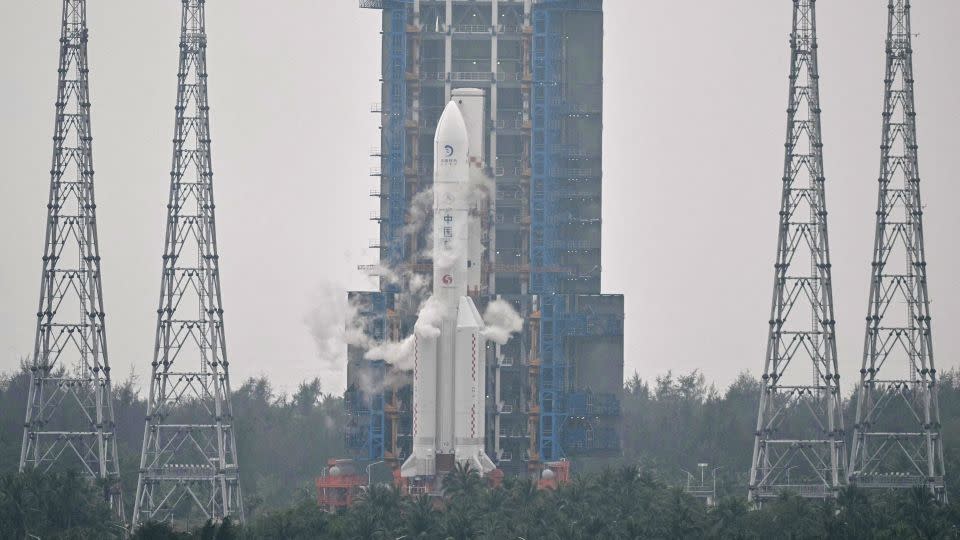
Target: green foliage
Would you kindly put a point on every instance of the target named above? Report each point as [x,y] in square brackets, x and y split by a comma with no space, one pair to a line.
[158,531]
[670,425]
[623,503]
[55,505]
[628,503]
[679,421]
[283,441]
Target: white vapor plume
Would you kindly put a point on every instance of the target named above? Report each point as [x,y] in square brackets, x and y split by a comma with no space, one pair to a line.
[384,272]
[396,353]
[428,320]
[502,321]
[334,324]
[400,353]
[421,207]
[481,186]
[369,386]
[418,284]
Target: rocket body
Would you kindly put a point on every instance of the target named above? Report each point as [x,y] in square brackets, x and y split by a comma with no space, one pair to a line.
[450,351]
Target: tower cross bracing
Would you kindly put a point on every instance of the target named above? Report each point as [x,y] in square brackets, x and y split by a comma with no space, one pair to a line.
[188,467]
[896,441]
[69,415]
[799,441]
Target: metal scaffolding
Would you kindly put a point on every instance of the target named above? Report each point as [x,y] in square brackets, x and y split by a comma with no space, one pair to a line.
[541,224]
[896,441]
[365,401]
[799,444]
[69,415]
[188,468]
[562,166]
[395,133]
[547,93]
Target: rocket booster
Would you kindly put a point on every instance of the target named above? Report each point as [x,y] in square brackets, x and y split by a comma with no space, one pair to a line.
[449,356]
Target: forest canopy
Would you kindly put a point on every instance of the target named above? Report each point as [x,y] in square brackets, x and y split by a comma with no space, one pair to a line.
[670,425]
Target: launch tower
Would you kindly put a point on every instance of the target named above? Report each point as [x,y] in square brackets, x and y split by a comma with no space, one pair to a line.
[69,420]
[799,443]
[553,390]
[896,439]
[189,468]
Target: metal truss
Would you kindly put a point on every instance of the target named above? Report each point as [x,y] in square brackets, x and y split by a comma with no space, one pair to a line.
[69,419]
[896,441]
[188,468]
[799,439]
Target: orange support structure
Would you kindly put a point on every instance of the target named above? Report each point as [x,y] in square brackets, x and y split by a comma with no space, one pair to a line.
[555,473]
[339,485]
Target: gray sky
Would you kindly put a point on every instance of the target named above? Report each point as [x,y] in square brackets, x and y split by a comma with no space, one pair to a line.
[694,127]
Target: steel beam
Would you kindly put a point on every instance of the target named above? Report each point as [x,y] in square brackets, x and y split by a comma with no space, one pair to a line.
[189,467]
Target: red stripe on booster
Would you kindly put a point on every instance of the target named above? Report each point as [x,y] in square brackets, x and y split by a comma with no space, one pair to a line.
[473,407]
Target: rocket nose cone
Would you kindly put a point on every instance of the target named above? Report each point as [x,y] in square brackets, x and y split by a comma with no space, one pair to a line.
[452,129]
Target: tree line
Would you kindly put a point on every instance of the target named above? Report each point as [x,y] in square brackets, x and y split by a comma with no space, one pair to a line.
[670,424]
[629,502]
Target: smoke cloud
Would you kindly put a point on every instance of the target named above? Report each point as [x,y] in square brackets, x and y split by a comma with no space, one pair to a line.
[334,323]
[421,207]
[400,353]
[428,320]
[385,273]
[481,186]
[396,353]
[326,325]
[393,378]
[502,322]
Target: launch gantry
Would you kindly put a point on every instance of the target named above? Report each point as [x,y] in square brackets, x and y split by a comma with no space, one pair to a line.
[554,390]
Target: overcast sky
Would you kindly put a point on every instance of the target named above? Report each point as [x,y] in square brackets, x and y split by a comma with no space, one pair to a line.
[695,95]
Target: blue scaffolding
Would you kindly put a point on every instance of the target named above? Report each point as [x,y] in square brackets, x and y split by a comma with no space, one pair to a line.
[366,419]
[394,130]
[583,432]
[547,46]
[562,406]
[365,415]
[547,244]
[366,430]
[553,377]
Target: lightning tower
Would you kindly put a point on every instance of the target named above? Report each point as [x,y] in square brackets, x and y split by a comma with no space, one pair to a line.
[69,419]
[188,468]
[799,439]
[896,442]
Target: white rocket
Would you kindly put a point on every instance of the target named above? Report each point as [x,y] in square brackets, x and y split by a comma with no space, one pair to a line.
[449,354]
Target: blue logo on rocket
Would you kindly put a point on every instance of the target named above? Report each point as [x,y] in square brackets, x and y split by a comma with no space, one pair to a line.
[449,150]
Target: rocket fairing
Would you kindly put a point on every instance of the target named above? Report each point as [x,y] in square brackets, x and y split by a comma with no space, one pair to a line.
[450,350]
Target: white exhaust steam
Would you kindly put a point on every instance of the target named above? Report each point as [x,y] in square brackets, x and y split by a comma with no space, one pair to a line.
[502,322]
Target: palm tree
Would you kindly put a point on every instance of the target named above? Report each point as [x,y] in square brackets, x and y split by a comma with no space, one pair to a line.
[463,480]
[419,516]
[459,522]
[379,506]
[727,519]
[922,513]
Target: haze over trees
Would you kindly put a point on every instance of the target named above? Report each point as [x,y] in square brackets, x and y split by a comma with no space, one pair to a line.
[671,424]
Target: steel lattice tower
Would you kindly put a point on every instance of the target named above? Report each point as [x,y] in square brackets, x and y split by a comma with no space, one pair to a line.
[188,468]
[69,418]
[896,442]
[799,439]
